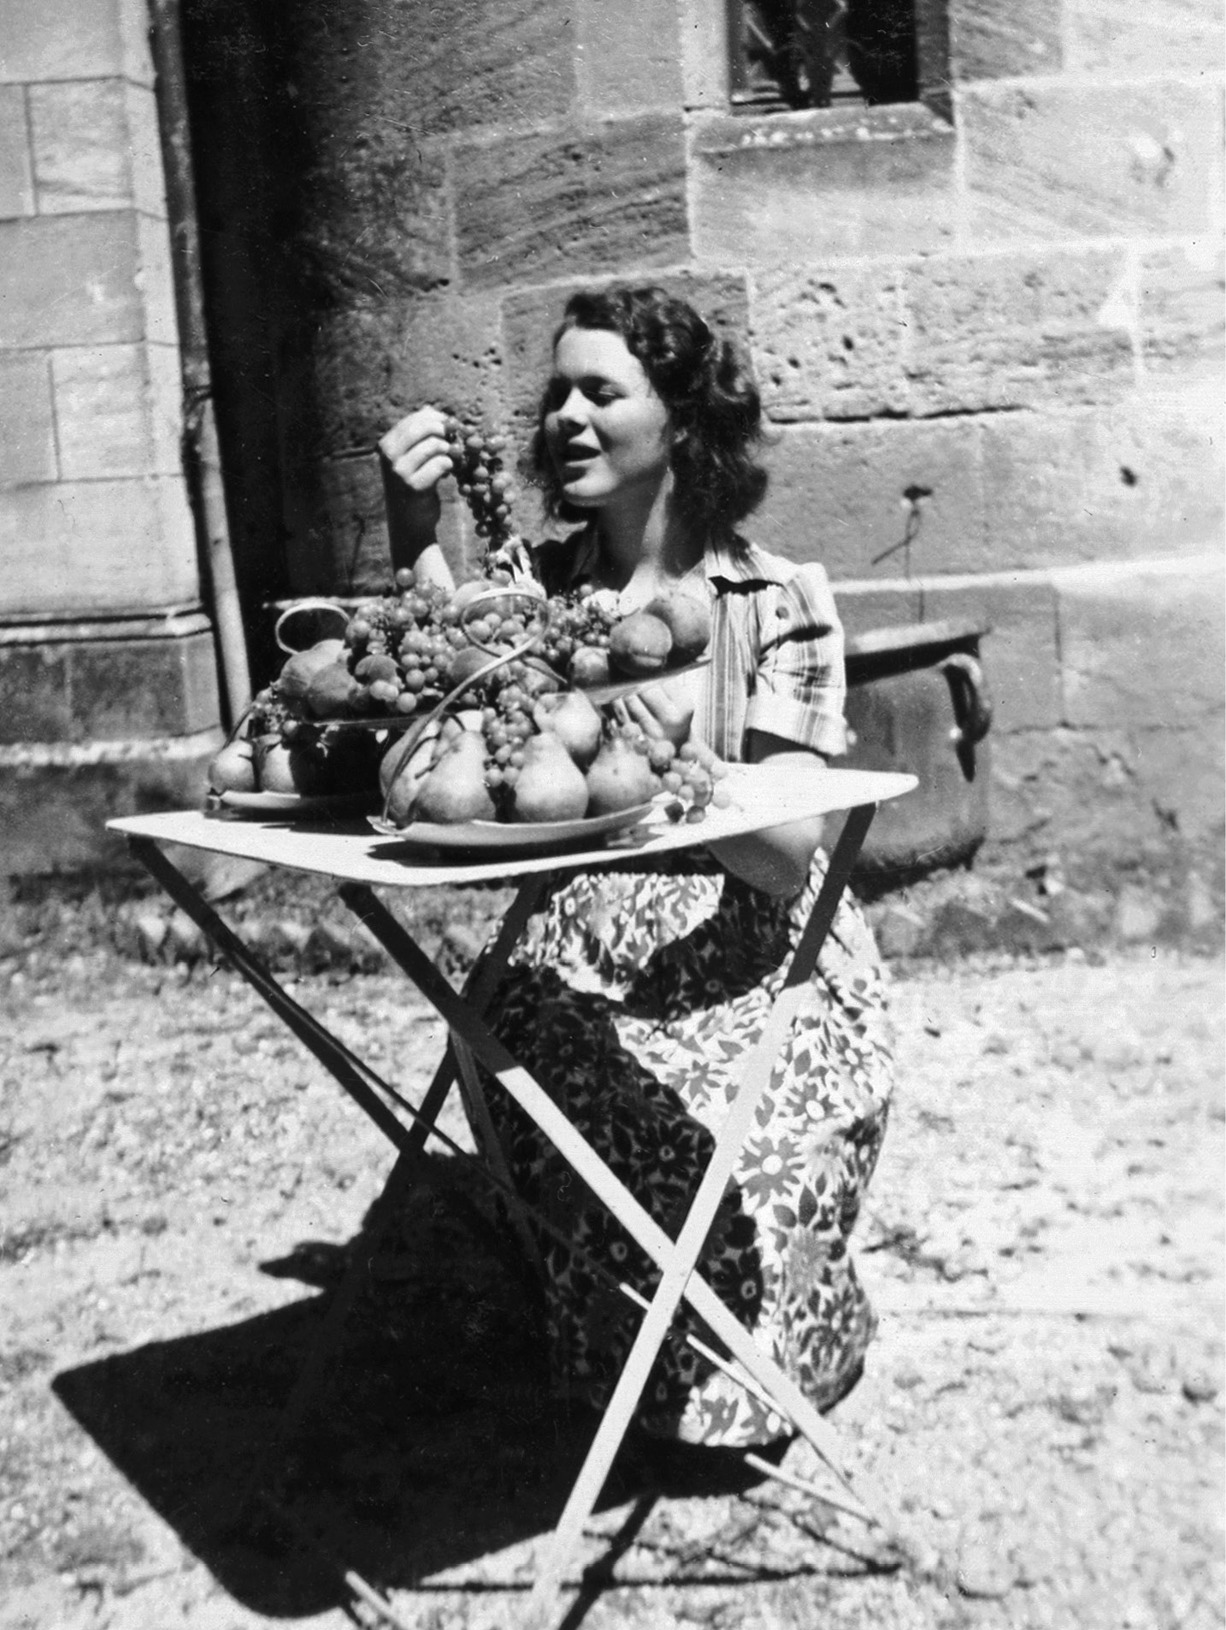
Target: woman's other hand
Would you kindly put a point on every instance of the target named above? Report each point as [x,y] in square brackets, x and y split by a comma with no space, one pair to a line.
[664,709]
[414,456]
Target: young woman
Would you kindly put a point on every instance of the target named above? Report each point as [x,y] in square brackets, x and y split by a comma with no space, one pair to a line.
[635,994]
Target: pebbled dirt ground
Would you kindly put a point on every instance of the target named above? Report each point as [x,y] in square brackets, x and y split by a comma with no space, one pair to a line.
[180,1185]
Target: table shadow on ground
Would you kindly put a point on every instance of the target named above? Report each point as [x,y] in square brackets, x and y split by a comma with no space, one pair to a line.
[435,1444]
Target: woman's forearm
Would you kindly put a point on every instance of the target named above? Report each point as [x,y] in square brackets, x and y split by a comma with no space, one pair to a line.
[429,567]
[776,861]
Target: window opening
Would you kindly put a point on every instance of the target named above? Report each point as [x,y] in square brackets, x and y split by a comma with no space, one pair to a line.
[823,53]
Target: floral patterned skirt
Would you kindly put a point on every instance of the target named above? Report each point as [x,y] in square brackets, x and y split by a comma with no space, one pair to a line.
[634,998]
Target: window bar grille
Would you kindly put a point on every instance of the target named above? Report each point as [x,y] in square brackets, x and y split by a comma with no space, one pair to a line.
[821,53]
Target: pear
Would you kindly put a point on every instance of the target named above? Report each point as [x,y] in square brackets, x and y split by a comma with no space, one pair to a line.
[688,621]
[550,785]
[573,719]
[640,644]
[455,789]
[402,770]
[281,768]
[330,692]
[233,770]
[619,778]
[302,667]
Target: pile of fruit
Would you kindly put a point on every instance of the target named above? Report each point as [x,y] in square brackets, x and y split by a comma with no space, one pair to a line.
[475,704]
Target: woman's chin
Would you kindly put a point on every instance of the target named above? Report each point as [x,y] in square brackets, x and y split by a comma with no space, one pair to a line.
[574,494]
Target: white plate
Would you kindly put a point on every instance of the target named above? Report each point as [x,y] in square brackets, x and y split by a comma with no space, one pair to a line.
[293,803]
[501,835]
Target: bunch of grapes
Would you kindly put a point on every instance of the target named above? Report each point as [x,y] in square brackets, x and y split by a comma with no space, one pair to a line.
[269,715]
[506,723]
[577,622]
[476,462]
[401,648]
[691,774]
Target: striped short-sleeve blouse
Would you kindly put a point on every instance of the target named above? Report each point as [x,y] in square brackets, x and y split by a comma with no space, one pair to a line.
[776,645]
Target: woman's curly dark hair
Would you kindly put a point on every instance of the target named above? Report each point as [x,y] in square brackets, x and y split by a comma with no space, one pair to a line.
[706,385]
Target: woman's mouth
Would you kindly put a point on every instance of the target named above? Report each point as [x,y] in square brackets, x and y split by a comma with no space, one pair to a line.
[574,455]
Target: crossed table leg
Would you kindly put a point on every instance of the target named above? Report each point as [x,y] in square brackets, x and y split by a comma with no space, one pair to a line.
[676,1260]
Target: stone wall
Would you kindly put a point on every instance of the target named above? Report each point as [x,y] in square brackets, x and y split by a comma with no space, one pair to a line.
[996,317]
[1004,324]
[108,690]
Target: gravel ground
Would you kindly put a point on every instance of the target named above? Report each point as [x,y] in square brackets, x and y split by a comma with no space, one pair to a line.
[1042,1411]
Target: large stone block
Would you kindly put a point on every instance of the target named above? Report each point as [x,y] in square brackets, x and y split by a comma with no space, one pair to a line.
[61,39]
[1181,315]
[1143,647]
[124,689]
[338,541]
[1103,802]
[627,57]
[991,41]
[35,701]
[338,530]
[1020,655]
[16,174]
[603,199]
[374,216]
[531,316]
[839,494]
[373,364]
[1142,478]
[998,331]
[117,410]
[807,187]
[827,341]
[1050,159]
[430,68]
[864,607]
[71,280]
[96,688]
[54,810]
[73,547]
[1164,36]
[27,430]
[79,138]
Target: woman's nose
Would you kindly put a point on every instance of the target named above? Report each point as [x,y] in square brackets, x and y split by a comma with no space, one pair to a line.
[571,410]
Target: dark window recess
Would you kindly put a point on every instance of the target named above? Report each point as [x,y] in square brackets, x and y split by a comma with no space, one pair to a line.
[824,53]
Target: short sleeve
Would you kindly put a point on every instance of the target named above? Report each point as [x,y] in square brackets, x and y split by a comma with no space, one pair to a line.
[800,685]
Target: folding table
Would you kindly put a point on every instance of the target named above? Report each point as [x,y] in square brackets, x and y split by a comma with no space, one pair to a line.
[361,860]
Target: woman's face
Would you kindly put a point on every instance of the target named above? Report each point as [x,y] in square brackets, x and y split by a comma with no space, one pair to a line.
[606,429]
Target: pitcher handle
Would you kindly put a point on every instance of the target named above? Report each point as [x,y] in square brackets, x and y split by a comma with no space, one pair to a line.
[972,702]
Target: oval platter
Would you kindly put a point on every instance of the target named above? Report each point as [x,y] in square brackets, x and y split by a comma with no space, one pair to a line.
[502,836]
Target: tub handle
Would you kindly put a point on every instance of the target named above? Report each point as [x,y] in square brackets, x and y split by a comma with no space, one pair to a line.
[972,703]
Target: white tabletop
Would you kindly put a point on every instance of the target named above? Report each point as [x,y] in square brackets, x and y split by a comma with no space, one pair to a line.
[762,795]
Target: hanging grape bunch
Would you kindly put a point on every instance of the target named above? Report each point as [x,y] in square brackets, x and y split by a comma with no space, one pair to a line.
[476,463]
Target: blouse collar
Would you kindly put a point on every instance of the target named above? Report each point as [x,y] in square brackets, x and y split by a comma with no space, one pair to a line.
[720,562]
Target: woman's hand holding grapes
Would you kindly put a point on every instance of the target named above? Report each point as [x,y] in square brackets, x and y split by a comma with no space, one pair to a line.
[414,456]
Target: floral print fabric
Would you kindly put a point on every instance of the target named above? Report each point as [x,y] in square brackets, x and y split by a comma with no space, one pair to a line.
[634,998]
